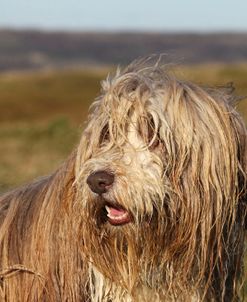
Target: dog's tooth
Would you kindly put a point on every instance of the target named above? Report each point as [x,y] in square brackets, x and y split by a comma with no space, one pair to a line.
[108,209]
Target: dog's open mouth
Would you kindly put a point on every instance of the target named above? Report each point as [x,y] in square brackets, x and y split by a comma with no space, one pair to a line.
[117,215]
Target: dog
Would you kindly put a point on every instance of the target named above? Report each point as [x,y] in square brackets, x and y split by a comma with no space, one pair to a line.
[150,206]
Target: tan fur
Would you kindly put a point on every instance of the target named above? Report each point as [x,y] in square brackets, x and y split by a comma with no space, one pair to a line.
[179,156]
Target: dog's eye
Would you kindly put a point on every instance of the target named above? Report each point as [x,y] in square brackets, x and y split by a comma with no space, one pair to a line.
[104,135]
[148,133]
[155,143]
[153,138]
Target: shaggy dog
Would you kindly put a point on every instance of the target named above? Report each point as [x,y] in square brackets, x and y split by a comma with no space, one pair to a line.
[150,207]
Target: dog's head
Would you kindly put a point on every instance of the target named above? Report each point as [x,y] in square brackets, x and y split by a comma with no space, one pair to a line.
[161,174]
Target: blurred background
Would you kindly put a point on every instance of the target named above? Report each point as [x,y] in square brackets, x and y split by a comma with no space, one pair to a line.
[53,55]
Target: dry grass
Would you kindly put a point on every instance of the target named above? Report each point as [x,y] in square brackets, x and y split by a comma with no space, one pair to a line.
[41,118]
[42,114]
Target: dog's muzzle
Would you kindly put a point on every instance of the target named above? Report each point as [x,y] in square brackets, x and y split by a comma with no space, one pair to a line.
[100,182]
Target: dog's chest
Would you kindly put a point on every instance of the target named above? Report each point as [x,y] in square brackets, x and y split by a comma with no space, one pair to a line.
[102,290]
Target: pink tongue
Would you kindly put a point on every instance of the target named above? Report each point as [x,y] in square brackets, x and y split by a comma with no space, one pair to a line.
[117,212]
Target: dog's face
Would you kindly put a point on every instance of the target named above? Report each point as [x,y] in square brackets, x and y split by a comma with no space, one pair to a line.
[157,174]
[125,176]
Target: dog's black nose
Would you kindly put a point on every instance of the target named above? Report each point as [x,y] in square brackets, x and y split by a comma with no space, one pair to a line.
[100,181]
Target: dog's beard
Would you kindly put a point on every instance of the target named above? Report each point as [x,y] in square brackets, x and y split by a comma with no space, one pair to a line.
[126,253]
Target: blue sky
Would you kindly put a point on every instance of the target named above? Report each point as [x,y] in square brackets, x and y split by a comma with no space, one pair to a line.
[151,15]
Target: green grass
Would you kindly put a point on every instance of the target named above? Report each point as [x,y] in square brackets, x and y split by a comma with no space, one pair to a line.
[30,150]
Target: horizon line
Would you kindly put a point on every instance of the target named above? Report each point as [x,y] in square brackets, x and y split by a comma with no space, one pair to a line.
[121,30]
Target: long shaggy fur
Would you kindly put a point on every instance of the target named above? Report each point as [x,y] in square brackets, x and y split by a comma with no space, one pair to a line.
[178,153]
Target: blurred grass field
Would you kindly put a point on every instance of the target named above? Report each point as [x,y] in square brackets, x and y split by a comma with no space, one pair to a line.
[42,114]
[41,118]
